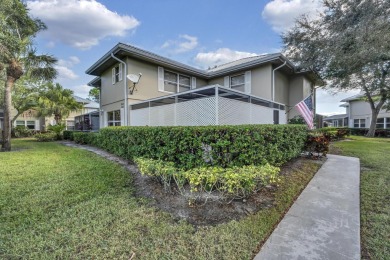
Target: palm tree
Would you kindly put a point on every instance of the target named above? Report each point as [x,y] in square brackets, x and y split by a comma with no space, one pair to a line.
[18,56]
[57,101]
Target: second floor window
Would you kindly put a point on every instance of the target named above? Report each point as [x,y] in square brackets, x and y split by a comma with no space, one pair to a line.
[238,82]
[117,73]
[174,82]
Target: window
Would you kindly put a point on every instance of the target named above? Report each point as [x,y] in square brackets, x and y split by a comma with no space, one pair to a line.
[114,118]
[359,123]
[69,125]
[387,123]
[174,82]
[117,73]
[20,123]
[30,125]
[380,123]
[238,82]
[335,123]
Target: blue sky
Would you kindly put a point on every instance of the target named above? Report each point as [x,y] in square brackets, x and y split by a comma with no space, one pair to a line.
[200,33]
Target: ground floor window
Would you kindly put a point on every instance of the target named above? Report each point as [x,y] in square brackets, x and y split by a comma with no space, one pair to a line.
[383,123]
[69,125]
[30,124]
[114,118]
[336,123]
[359,123]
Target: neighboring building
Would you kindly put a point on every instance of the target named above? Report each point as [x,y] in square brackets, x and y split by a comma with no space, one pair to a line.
[359,113]
[31,120]
[340,120]
[172,93]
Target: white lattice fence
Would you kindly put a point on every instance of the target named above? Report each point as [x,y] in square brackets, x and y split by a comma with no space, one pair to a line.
[233,112]
[203,112]
[196,112]
[261,115]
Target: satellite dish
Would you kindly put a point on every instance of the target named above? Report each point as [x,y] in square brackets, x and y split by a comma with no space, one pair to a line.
[135,79]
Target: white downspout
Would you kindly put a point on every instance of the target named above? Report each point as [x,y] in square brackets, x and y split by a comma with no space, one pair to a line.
[125,89]
[273,79]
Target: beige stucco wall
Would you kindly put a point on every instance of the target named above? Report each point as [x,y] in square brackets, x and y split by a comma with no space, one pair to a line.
[262,82]
[281,88]
[218,80]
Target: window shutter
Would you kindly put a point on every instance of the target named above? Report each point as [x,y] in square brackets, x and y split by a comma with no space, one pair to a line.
[160,79]
[193,83]
[122,116]
[120,71]
[248,87]
[37,125]
[226,82]
[113,75]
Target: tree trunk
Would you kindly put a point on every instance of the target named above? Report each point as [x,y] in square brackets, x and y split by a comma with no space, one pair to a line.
[374,117]
[6,146]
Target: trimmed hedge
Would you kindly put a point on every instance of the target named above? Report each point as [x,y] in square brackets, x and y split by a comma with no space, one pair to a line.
[46,137]
[198,146]
[86,138]
[68,135]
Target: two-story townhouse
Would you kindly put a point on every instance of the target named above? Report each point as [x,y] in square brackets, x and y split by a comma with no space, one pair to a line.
[359,113]
[260,89]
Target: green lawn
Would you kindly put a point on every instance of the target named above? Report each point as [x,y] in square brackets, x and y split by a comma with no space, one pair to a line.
[61,202]
[374,154]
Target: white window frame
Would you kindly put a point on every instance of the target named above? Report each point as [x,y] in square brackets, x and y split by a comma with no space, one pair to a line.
[383,124]
[360,120]
[335,123]
[162,81]
[387,122]
[178,75]
[19,123]
[116,73]
[113,121]
[237,85]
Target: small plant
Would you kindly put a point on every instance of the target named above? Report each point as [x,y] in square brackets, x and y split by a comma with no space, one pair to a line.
[68,135]
[232,183]
[86,138]
[57,129]
[21,131]
[317,144]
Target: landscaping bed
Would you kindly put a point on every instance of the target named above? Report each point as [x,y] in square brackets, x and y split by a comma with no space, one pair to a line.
[57,202]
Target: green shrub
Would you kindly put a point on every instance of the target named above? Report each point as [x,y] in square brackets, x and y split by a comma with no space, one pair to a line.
[57,129]
[235,182]
[21,131]
[90,138]
[46,137]
[334,133]
[68,135]
[198,146]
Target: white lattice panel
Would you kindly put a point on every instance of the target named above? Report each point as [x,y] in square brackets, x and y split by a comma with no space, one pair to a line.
[139,117]
[162,115]
[233,112]
[282,117]
[196,112]
[262,115]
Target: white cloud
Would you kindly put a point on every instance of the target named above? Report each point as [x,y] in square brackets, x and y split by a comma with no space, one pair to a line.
[328,103]
[184,44]
[281,14]
[80,23]
[64,70]
[220,56]
[81,90]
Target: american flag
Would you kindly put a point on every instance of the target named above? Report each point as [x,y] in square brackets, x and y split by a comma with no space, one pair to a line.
[305,107]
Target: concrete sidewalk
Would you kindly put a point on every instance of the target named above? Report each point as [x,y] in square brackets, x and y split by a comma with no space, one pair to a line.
[324,222]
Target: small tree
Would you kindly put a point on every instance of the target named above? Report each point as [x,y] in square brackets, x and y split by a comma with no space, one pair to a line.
[56,101]
[17,55]
[348,46]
